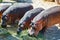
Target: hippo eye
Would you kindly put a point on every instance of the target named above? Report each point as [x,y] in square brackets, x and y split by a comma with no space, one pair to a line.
[31,24]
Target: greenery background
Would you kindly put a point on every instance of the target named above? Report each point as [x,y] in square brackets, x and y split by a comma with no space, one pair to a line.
[0,0]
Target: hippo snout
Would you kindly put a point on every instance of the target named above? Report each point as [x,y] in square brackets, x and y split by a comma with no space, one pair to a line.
[3,25]
[19,30]
[32,35]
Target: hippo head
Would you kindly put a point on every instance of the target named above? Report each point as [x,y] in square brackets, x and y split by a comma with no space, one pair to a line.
[36,28]
[33,30]
[21,26]
[4,20]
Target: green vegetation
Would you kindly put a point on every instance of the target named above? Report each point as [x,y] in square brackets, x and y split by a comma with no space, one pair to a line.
[0,0]
[10,34]
[24,36]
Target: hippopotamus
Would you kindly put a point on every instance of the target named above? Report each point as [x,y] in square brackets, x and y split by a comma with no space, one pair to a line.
[45,19]
[3,8]
[14,13]
[26,19]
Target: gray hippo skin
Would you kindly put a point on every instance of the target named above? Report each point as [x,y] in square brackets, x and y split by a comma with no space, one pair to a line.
[15,12]
[26,19]
[44,20]
[3,8]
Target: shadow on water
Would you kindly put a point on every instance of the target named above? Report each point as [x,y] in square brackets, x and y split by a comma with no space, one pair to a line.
[24,35]
[9,37]
[5,35]
[52,33]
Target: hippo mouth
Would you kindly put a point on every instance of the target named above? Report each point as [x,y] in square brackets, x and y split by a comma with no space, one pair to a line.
[3,26]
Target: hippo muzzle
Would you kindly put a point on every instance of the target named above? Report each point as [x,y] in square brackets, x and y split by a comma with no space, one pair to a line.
[20,28]
[4,20]
[31,31]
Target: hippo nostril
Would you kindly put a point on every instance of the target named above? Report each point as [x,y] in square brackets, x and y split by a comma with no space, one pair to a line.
[3,26]
[34,28]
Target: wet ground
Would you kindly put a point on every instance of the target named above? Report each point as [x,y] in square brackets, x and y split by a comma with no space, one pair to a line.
[10,34]
[52,33]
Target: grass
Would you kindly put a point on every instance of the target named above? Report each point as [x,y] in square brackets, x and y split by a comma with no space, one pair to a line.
[10,34]
[0,0]
[24,36]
